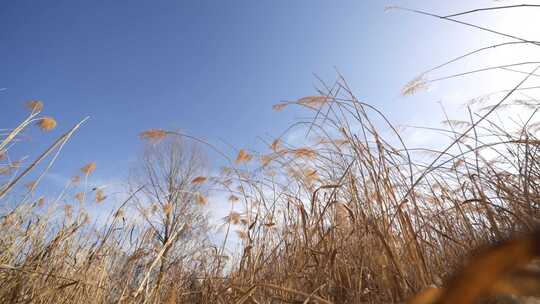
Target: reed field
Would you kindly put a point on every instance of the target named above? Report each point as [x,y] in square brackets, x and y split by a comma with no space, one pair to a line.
[354,215]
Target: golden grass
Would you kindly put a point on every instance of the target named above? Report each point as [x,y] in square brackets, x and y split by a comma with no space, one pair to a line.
[356,216]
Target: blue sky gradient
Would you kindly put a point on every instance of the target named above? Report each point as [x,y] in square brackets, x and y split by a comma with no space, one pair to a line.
[210,68]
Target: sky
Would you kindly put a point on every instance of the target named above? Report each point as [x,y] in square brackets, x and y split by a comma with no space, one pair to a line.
[213,69]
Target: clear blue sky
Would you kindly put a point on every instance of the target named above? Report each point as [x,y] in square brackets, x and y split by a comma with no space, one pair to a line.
[210,68]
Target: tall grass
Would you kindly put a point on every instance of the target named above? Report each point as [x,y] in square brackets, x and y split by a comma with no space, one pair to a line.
[353,215]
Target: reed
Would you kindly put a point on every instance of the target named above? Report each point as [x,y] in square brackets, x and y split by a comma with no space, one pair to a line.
[355,215]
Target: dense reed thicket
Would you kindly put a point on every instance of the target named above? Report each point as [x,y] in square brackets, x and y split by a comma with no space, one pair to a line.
[353,215]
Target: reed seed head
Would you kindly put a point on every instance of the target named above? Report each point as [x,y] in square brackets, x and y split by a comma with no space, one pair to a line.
[46,123]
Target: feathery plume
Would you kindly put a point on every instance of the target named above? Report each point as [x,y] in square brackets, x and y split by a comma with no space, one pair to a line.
[89,168]
[269,224]
[46,123]
[84,218]
[199,180]
[304,153]
[79,196]
[34,105]
[279,106]
[266,159]
[76,180]
[232,218]
[41,201]
[153,135]
[100,195]
[243,157]
[167,208]
[201,199]
[313,101]
[415,85]
[119,213]
[68,209]
[242,234]
[276,145]
[310,175]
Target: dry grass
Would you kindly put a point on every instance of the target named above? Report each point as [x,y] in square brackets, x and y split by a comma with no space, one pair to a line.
[355,217]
